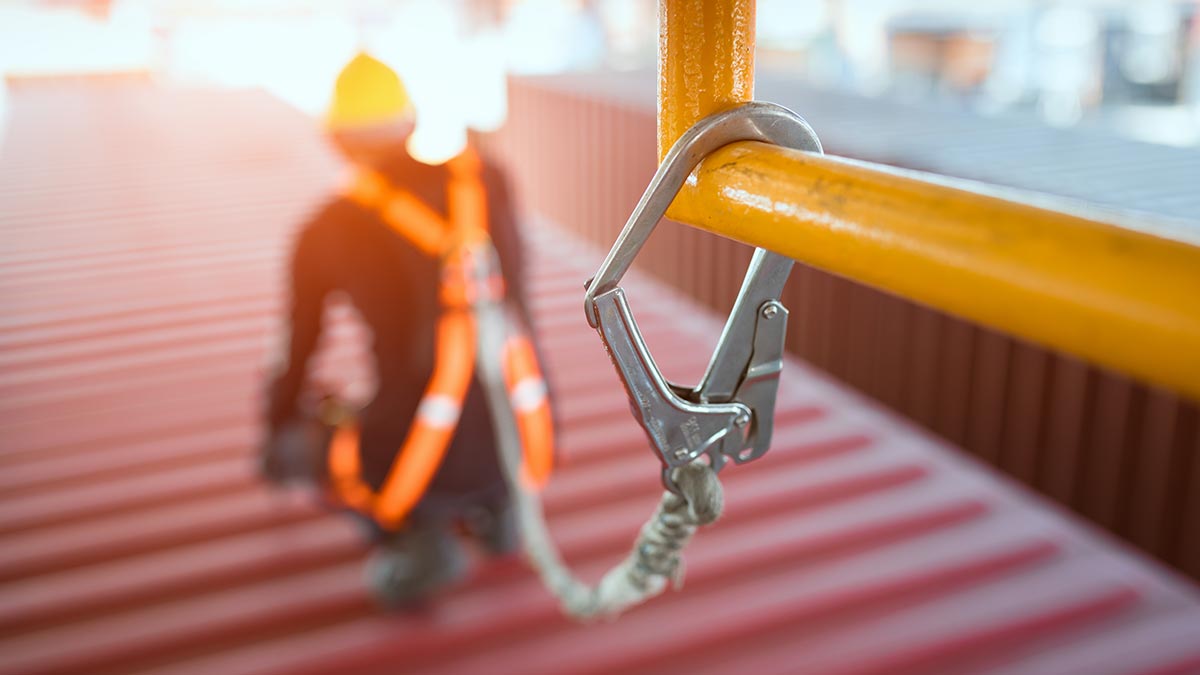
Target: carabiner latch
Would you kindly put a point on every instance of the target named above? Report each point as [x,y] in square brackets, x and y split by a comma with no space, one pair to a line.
[729,415]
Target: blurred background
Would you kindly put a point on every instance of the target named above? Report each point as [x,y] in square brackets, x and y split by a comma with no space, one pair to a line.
[1126,68]
[942,498]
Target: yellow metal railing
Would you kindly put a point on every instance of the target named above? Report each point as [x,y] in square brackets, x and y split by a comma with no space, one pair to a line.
[1072,281]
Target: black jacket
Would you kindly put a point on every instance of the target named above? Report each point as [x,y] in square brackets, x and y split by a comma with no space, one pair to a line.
[349,248]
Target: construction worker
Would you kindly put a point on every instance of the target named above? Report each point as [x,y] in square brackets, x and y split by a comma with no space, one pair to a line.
[419,462]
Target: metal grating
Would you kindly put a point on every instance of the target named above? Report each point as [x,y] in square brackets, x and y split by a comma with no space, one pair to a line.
[143,243]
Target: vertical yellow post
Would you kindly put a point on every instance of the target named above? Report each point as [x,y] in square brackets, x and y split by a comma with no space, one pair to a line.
[705,62]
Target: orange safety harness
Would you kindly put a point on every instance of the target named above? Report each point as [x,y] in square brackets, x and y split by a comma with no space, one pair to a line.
[458,241]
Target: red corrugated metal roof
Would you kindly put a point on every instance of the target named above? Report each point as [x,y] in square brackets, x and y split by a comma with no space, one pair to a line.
[144,231]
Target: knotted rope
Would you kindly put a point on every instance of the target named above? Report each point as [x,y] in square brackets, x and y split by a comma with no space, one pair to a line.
[656,559]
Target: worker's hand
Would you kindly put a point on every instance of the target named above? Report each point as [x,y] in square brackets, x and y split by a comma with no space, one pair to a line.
[295,452]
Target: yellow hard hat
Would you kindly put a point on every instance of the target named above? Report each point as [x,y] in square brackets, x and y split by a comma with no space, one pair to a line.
[367,93]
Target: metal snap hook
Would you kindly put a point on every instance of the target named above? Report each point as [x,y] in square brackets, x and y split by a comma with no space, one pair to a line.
[729,415]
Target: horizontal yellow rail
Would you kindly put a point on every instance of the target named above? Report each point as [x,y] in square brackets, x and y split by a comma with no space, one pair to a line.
[1117,297]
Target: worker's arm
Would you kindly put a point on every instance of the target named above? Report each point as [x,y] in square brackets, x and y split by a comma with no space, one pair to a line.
[309,288]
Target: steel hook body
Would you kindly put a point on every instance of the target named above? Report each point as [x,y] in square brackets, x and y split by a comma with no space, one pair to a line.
[728,415]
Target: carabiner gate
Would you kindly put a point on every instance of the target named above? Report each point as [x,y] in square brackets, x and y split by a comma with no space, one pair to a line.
[729,415]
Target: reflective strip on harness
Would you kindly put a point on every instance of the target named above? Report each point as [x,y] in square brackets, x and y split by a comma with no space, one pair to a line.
[437,410]
[528,394]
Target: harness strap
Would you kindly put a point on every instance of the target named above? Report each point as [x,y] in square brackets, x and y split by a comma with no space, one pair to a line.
[403,211]
[530,401]
[427,439]
[457,243]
